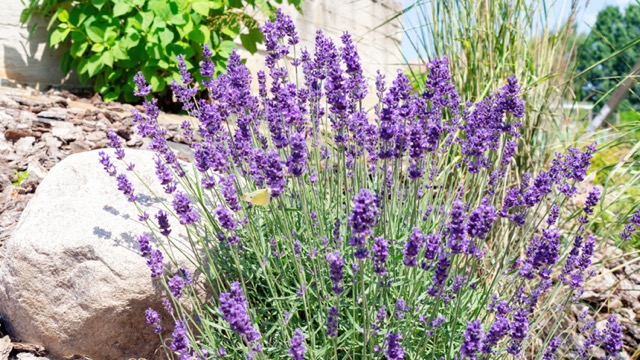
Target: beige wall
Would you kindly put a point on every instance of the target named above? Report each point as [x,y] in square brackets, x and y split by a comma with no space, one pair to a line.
[34,63]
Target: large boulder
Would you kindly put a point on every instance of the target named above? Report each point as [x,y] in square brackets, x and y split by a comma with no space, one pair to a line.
[72,277]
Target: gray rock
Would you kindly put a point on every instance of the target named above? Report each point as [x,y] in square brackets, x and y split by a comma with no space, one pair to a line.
[24,146]
[78,285]
[66,131]
[57,114]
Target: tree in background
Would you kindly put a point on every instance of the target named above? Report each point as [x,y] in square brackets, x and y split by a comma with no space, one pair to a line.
[612,31]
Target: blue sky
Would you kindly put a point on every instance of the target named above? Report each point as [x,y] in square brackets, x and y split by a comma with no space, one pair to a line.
[586,17]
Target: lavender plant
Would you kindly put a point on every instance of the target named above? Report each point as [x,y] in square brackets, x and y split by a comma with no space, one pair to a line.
[395,234]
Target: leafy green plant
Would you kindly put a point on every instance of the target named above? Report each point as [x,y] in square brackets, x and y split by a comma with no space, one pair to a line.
[21,176]
[108,41]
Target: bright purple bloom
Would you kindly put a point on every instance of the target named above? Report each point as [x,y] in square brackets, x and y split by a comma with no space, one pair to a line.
[498,330]
[457,228]
[234,309]
[554,213]
[612,341]
[481,219]
[380,254]
[229,192]
[336,266]
[153,318]
[115,142]
[364,215]
[126,187]
[412,247]
[187,213]
[519,327]
[394,350]
[472,339]
[432,246]
[155,263]
[164,175]
[332,322]
[225,217]
[634,222]
[106,164]
[552,348]
[163,223]
[144,243]
[142,89]
[297,345]
[592,200]
[180,341]
[175,284]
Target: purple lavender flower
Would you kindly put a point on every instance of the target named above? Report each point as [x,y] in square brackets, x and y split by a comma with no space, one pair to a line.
[612,341]
[364,215]
[440,274]
[297,345]
[336,266]
[380,254]
[394,350]
[176,284]
[498,330]
[298,158]
[432,246]
[542,251]
[229,192]
[153,318]
[234,309]
[164,175]
[155,263]
[481,219]
[144,243]
[115,142]
[332,322]
[142,89]
[274,173]
[634,222]
[519,327]
[438,321]
[472,339]
[457,228]
[184,208]
[180,341]
[412,247]
[554,213]
[552,348]
[401,308]
[126,187]
[381,316]
[207,66]
[592,200]
[225,217]
[106,164]
[163,223]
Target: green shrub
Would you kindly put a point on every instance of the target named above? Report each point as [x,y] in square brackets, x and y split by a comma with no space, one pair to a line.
[110,40]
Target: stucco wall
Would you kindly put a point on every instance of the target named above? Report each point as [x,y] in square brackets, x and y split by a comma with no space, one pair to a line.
[32,62]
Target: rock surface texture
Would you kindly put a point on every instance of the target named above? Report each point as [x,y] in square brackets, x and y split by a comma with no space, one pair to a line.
[73,280]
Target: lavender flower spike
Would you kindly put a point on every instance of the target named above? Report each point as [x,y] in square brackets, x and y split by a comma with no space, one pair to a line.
[297,345]
[234,309]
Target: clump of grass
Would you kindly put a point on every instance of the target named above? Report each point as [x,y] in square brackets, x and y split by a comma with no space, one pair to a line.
[320,231]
